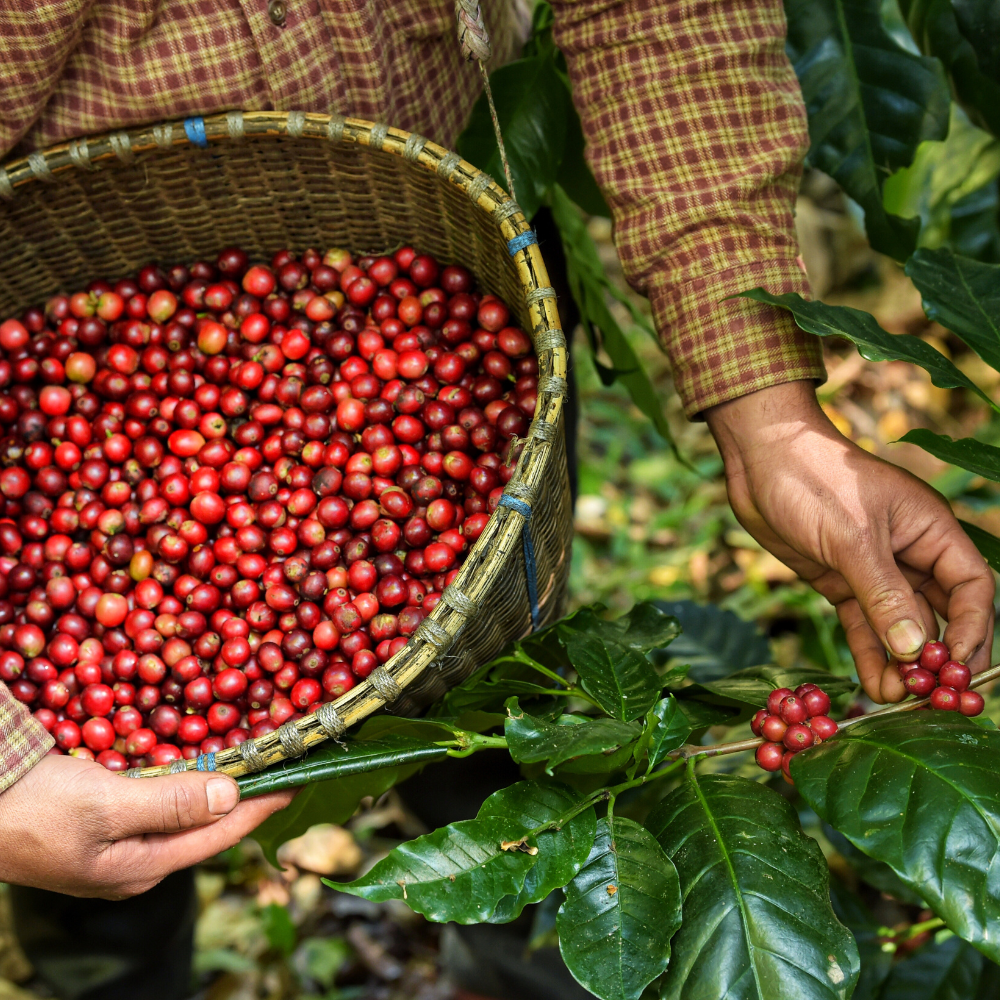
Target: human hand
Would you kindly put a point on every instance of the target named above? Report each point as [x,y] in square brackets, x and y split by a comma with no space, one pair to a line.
[881,545]
[73,827]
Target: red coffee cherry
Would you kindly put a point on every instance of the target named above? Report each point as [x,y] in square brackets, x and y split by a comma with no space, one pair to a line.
[775,698]
[934,656]
[822,726]
[773,728]
[945,699]
[971,703]
[793,710]
[919,682]
[954,675]
[769,756]
[817,702]
[798,737]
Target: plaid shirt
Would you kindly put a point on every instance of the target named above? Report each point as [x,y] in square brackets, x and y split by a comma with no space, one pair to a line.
[694,123]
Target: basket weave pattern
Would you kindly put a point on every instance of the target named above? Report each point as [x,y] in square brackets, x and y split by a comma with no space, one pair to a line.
[265,180]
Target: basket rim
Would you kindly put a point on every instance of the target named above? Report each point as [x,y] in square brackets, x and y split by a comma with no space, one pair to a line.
[437,631]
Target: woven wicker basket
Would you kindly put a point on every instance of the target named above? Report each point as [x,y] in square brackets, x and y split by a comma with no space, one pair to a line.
[266,180]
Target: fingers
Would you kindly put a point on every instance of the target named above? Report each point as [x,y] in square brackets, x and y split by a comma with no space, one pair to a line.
[964,576]
[886,599]
[142,861]
[171,803]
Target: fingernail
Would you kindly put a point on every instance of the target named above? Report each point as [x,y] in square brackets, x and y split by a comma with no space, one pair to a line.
[222,796]
[905,638]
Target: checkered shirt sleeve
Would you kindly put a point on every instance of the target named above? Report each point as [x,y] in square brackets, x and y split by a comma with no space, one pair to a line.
[696,131]
[23,741]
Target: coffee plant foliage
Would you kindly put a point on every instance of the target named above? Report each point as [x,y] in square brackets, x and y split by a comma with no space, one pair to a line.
[662,867]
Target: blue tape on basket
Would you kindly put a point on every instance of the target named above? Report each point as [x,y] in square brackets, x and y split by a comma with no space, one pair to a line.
[530,567]
[521,241]
[194,128]
[206,762]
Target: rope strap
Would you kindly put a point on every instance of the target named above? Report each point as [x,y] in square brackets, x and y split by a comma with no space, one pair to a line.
[530,567]
[253,759]
[178,766]
[521,241]
[205,762]
[194,128]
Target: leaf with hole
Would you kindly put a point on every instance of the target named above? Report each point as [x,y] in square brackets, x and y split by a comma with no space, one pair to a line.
[962,295]
[757,916]
[873,343]
[531,739]
[620,912]
[922,795]
[561,852]
[870,104]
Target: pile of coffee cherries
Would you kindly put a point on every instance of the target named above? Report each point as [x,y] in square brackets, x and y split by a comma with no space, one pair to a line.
[231,490]
[944,679]
[793,721]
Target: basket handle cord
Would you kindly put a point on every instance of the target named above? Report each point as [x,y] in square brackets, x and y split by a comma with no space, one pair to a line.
[530,567]
[475,42]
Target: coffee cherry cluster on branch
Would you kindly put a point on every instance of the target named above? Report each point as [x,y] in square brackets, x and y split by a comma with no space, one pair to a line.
[793,721]
[944,679]
[231,491]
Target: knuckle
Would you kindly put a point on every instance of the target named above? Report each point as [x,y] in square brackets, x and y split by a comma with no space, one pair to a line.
[181,806]
[888,602]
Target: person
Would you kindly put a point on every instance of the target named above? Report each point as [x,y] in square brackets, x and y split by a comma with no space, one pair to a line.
[696,131]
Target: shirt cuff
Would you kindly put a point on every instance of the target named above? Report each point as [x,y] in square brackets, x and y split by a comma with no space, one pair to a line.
[721,348]
[23,740]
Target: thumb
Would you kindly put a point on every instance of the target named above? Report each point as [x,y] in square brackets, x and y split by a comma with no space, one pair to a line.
[172,802]
[887,601]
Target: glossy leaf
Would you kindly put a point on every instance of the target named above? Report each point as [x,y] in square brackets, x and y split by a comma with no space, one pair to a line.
[714,642]
[757,917]
[338,779]
[532,739]
[590,287]
[965,36]
[870,103]
[967,453]
[533,107]
[922,795]
[561,853]
[962,295]
[620,912]
[988,544]
[851,911]
[462,871]
[873,343]
[753,685]
[575,177]
[950,970]
[610,658]
[876,873]
[667,728]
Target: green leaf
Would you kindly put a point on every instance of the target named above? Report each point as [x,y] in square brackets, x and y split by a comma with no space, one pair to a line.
[962,295]
[967,453]
[610,658]
[753,685]
[870,103]
[532,739]
[757,916]
[667,728]
[963,35]
[575,177]
[462,871]
[590,287]
[533,107]
[278,927]
[947,971]
[714,642]
[876,873]
[851,911]
[988,545]
[947,184]
[873,343]
[922,795]
[620,912]
[561,853]
[340,777]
